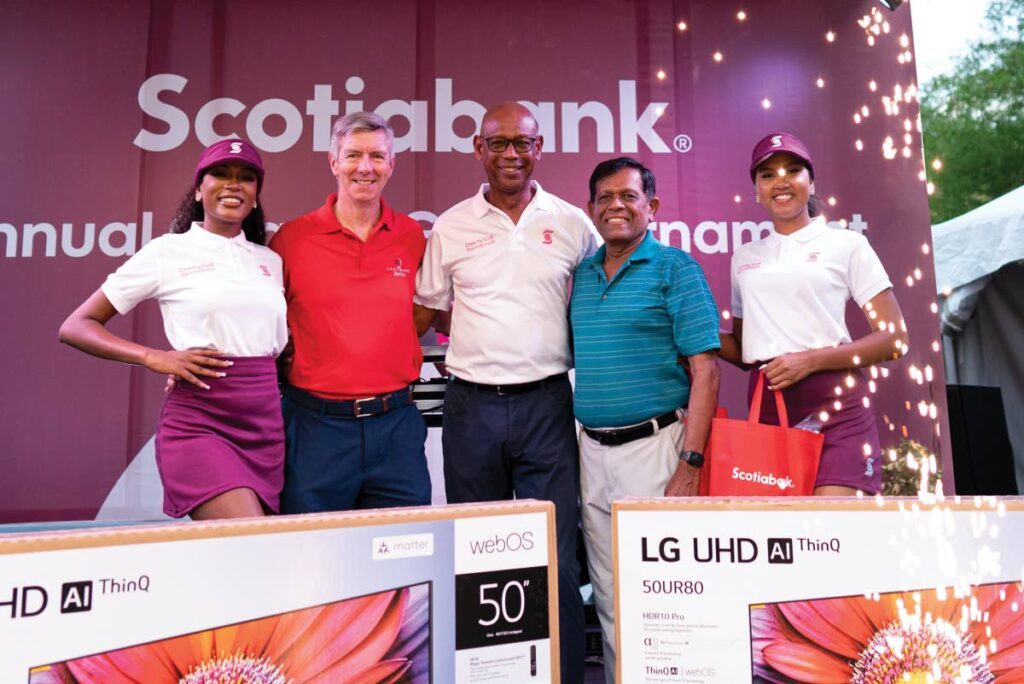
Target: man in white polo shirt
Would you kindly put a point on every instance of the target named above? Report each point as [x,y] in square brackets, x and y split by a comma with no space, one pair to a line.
[504,258]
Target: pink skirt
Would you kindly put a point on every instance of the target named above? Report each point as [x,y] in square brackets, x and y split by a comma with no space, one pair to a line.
[851,456]
[229,436]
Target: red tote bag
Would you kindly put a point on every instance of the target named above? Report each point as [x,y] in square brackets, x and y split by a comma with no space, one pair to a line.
[750,458]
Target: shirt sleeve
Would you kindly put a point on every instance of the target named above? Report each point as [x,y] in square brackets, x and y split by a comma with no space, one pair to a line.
[434,288]
[736,296]
[691,307]
[866,276]
[136,280]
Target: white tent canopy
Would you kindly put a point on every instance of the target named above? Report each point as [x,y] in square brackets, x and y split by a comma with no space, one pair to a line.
[970,248]
[979,262]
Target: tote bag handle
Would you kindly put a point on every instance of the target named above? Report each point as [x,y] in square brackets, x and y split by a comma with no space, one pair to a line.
[755,404]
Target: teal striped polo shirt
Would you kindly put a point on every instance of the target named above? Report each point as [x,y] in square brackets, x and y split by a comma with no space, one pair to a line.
[628,333]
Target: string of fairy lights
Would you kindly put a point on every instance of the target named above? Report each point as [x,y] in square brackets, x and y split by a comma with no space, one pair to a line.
[928,516]
[903,136]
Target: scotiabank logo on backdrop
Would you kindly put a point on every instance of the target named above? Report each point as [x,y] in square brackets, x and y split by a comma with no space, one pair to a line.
[618,126]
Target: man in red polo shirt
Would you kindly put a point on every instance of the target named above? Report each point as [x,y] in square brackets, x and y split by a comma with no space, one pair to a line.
[353,437]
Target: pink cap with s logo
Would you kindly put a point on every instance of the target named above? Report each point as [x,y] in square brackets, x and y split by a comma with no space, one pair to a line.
[230,151]
[775,143]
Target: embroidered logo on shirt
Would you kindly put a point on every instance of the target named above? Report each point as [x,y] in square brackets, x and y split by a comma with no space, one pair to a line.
[813,256]
[186,271]
[481,242]
[747,267]
[265,270]
[547,236]
[869,470]
[397,270]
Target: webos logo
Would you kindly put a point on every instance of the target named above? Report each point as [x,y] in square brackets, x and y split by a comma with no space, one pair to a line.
[32,600]
[512,542]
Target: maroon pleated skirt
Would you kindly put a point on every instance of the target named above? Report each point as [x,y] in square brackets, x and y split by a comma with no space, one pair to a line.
[851,455]
[229,436]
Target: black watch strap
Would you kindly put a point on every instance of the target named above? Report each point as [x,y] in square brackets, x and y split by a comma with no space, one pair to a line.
[693,458]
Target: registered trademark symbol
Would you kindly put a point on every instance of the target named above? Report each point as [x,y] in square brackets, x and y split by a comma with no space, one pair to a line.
[682,143]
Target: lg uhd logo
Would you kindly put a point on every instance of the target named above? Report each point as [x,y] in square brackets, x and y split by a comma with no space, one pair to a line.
[31,600]
[514,541]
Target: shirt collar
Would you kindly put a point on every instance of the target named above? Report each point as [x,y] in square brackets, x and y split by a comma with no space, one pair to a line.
[541,200]
[645,251]
[330,224]
[212,241]
[816,227]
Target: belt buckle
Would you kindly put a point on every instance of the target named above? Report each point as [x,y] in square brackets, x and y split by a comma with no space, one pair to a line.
[501,391]
[357,409]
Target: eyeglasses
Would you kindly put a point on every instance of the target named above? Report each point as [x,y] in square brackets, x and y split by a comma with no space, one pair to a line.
[521,145]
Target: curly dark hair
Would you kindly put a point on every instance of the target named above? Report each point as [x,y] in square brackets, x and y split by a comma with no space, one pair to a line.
[254,226]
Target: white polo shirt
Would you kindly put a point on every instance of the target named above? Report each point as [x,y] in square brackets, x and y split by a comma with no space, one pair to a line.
[510,285]
[213,291]
[791,290]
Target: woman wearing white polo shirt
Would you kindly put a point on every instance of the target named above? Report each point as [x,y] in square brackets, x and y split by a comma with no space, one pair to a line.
[789,295]
[220,440]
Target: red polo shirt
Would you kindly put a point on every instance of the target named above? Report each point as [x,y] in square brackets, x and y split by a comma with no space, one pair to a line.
[350,303]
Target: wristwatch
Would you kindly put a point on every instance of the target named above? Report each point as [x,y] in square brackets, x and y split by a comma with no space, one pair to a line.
[693,458]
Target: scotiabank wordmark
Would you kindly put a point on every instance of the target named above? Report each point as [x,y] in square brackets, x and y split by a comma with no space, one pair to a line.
[618,127]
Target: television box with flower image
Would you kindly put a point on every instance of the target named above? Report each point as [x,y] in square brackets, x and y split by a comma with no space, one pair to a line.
[442,594]
[378,638]
[908,636]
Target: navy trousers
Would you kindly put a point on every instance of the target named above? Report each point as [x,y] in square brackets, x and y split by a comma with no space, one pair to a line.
[340,463]
[497,447]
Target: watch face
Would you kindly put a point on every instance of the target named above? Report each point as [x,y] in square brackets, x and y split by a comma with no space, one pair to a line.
[694,458]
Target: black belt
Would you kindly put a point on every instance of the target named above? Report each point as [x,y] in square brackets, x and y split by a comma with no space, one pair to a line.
[354,408]
[615,437]
[502,390]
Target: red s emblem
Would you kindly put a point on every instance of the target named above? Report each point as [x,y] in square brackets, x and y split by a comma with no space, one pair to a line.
[547,236]
[265,270]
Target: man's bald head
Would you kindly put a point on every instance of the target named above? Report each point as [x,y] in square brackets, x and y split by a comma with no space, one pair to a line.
[509,144]
[508,111]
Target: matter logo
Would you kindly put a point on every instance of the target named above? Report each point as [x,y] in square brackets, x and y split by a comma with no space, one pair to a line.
[265,270]
[776,141]
[236,148]
[403,546]
[547,236]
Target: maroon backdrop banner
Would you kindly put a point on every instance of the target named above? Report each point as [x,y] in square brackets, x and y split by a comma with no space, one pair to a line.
[106,111]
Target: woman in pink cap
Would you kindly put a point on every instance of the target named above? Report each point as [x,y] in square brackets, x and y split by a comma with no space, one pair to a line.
[789,296]
[220,440]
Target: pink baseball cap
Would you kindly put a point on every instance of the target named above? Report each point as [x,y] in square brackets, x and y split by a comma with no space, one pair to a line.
[774,143]
[230,151]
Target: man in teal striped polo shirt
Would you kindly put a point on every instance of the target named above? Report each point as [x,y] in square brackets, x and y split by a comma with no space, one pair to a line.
[642,313]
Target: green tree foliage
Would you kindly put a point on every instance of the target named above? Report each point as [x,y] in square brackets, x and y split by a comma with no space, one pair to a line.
[973,118]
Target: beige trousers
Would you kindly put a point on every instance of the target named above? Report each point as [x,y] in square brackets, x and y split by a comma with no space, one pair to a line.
[607,474]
